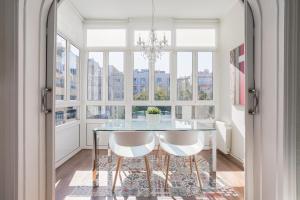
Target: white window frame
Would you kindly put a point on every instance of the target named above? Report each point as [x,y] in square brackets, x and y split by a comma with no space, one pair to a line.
[63,104]
[131,26]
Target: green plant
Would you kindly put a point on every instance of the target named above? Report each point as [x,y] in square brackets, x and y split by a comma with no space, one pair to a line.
[153,110]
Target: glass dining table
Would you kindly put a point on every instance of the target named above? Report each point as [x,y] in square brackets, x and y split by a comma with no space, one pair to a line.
[207,129]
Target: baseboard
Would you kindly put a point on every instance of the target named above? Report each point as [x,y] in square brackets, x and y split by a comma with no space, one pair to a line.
[233,159]
[67,157]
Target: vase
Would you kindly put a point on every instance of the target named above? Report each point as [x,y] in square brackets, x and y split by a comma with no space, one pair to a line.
[153,118]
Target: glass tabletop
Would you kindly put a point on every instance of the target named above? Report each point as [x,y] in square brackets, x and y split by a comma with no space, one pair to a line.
[163,125]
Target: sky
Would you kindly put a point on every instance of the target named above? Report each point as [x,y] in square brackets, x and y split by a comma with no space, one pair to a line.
[116,59]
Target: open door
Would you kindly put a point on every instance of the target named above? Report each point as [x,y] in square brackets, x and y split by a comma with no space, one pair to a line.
[49,100]
[251,102]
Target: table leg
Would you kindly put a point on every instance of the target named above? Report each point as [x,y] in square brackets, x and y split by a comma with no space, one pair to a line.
[109,154]
[95,161]
[213,160]
[214,152]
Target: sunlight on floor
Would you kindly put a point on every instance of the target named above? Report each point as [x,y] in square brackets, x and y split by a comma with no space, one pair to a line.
[77,198]
[83,178]
[127,198]
[227,176]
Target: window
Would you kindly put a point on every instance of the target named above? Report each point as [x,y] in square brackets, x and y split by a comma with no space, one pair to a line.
[195,37]
[72,113]
[73,72]
[60,68]
[120,76]
[140,77]
[184,76]
[67,81]
[205,76]
[105,112]
[95,74]
[139,112]
[106,38]
[162,77]
[195,112]
[116,76]
[67,114]
[59,117]
[145,35]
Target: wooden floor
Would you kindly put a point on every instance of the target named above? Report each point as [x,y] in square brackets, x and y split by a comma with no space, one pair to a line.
[230,172]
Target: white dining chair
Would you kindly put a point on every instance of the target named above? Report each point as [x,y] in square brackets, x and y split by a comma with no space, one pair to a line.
[182,144]
[131,145]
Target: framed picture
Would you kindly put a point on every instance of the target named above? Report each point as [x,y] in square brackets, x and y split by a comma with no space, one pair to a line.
[237,82]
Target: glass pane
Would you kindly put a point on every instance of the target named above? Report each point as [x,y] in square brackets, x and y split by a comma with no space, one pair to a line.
[116,76]
[106,37]
[59,117]
[165,112]
[140,77]
[144,34]
[105,112]
[139,112]
[74,72]
[196,37]
[205,76]
[61,57]
[95,73]
[72,113]
[184,76]
[195,112]
[162,77]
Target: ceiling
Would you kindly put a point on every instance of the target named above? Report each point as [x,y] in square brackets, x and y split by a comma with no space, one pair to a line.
[122,9]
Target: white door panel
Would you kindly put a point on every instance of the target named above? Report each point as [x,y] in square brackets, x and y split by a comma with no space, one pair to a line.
[249,119]
[50,117]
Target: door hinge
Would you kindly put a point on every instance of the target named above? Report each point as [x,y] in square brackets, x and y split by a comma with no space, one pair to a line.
[44,104]
[255,100]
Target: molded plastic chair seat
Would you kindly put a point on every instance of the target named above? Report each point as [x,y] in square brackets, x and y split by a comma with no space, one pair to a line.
[130,145]
[133,151]
[181,143]
[181,150]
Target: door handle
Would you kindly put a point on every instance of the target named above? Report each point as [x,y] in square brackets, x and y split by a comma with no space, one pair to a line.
[254,93]
[45,92]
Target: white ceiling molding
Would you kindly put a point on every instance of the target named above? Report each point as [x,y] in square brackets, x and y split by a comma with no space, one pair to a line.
[120,9]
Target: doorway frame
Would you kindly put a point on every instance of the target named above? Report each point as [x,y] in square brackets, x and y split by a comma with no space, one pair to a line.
[29,132]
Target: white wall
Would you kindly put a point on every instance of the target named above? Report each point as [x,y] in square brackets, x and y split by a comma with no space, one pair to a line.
[231,36]
[69,23]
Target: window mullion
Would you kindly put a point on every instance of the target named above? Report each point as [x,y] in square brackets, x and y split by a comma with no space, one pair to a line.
[128,84]
[67,93]
[151,83]
[105,77]
[173,74]
[195,82]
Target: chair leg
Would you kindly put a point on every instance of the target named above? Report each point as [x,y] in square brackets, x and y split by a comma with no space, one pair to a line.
[191,167]
[167,172]
[197,170]
[158,155]
[119,162]
[148,172]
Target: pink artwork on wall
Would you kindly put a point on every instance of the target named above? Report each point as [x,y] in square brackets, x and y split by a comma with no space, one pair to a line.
[237,67]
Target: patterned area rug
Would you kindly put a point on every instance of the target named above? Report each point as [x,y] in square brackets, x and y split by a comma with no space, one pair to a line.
[133,181]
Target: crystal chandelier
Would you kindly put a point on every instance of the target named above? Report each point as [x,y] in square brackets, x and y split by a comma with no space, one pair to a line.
[153,47]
